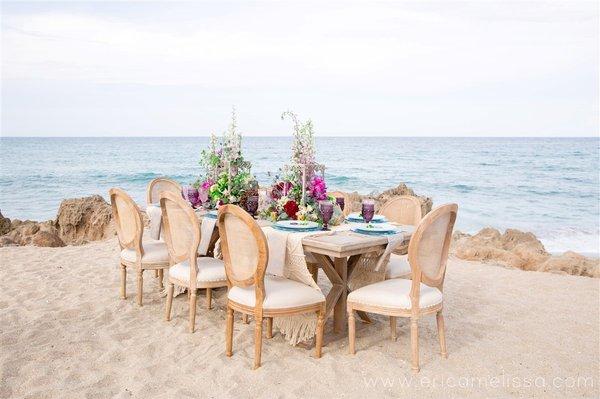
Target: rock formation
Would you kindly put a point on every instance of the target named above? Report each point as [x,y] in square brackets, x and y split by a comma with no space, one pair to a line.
[520,250]
[78,221]
[42,234]
[4,224]
[85,219]
[355,199]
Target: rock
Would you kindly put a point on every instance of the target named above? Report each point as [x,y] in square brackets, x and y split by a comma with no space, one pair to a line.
[6,241]
[572,263]
[47,239]
[355,199]
[42,234]
[5,225]
[521,250]
[84,219]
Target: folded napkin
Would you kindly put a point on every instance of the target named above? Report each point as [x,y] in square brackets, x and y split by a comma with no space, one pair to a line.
[207,227]
[155,217]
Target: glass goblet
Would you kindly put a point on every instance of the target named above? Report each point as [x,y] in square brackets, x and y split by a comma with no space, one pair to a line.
[252,204]
[326,212]
[368,210]
[341,202]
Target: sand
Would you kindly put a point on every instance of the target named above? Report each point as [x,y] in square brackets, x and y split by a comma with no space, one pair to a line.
[65,333]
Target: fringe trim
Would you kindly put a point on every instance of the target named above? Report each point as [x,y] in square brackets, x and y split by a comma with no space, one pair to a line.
[298,328]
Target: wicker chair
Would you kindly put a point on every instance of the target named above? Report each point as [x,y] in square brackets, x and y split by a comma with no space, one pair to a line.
[157,186]
[245,251]
[135,253]
[427,254]
[406,210]
[182,236]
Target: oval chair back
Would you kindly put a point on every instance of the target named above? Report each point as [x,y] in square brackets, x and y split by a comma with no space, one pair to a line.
[428,249]
[128,220]
[245,249]
[158,185]
[403,209]
[181,230]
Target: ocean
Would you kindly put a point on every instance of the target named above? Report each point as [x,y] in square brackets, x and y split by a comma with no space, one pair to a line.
[549,186]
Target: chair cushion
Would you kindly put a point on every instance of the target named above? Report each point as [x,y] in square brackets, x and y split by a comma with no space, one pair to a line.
[394,293]
[398,267]
[280,293]
[209,270]
[154,252]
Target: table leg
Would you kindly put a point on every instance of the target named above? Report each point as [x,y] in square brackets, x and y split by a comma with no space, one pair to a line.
[339,312]
[352,261]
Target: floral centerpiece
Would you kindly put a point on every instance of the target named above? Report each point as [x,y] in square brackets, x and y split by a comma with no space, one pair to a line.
[227,178]
[299,186]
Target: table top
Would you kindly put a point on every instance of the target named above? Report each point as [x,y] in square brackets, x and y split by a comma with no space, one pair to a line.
[346,243]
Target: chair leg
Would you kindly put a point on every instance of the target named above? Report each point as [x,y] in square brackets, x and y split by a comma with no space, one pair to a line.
[414,343]
[351,331]
[209,298]
[229,333]
[161,286]
[393,327]
[258,324]
[123,281]
[441,334]
[269,327]
[320,328]
[156,273]
[140,283]
[245,318]
[193,300]
[170,290]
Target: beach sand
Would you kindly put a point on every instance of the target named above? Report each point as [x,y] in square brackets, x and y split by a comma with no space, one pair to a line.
[64,333]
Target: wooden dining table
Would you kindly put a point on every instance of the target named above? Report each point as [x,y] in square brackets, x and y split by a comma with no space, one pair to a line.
[337,255]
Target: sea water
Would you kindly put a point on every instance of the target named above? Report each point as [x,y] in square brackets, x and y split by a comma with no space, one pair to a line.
[548,186]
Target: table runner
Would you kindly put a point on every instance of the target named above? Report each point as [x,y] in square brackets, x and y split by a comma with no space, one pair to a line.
[287,259]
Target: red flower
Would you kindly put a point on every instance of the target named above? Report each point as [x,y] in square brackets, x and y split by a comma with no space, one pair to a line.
[291,208]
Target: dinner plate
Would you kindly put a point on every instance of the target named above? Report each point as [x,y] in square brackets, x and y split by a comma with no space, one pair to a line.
[296,225]
[375,228]
[212,214]
[357,218]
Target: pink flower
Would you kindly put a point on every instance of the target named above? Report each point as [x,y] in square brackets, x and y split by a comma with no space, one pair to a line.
[317,188]
[207,184]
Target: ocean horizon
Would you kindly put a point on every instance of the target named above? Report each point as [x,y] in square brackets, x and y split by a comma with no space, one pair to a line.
[549,186]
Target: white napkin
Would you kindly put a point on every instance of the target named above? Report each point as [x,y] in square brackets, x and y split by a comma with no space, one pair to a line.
[155,217]
[277,241]
[394,241]
[206,231]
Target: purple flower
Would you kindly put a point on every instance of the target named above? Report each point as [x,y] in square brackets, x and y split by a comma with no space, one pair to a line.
[191,195]
[317,188]
[207,184]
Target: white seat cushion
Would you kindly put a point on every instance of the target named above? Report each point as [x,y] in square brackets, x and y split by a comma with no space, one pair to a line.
[280,293]
[154,252]
[209,270]
[394,293]
[398,267]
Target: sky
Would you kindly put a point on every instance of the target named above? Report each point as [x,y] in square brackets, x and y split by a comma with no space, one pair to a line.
[484,68]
